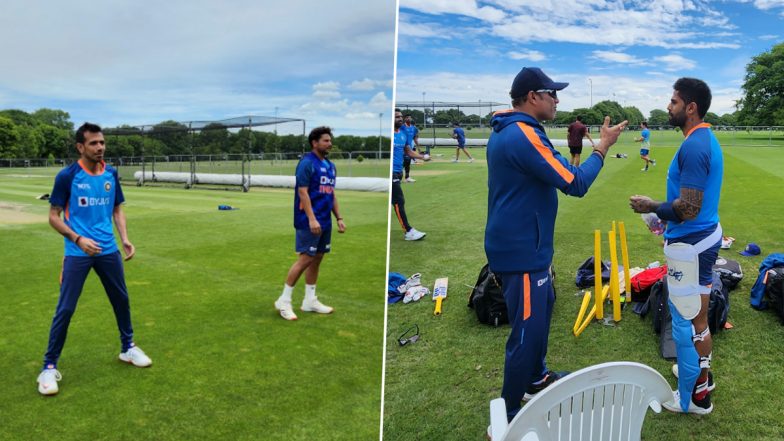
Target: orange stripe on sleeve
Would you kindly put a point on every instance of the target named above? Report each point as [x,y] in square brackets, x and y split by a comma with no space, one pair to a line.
[526,296]
[543,150]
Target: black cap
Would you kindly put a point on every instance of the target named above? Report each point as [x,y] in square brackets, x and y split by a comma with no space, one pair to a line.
[532,78]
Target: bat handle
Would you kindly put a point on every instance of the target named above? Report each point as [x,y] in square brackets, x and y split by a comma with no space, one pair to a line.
[438,306]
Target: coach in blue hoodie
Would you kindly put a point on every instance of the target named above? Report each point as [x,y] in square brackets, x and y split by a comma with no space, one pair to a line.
[524,172]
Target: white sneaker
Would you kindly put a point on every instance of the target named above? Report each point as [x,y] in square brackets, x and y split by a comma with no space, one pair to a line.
[286,311]
[413,234]
[643,169]
[136,357]
[410,180]
[454,160]
[675,405]
[471,160]
[47,381]
[313,305]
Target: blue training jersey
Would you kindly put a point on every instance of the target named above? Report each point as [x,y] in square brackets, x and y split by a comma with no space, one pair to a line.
[460,135]
[646,135]
[319,176]
[412,132]
[400,141]
[88,202]
[698,164]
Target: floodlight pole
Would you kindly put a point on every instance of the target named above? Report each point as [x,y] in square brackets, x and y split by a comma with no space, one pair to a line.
[590,82]
[424,112]
[380,116]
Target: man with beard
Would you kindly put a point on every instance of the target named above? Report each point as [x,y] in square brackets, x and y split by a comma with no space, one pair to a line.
[693,238]
[89,197]
[524,173]
[401,147]
[314,204]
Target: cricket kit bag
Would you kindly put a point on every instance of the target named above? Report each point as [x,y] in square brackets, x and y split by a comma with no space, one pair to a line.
[487,299]
[730,272]
[644,281]
[774,290]
[758,290]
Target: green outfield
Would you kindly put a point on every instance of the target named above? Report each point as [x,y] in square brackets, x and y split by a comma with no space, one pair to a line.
[659,138]
[441,386]
[202,287]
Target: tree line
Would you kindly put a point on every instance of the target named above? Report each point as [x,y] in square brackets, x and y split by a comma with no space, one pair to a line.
[49,133]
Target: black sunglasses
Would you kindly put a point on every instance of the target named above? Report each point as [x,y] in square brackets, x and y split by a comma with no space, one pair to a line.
[551,92]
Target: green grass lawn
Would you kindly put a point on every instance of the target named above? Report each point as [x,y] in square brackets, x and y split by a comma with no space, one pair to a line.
[202,287]
[440,387]
[659,138]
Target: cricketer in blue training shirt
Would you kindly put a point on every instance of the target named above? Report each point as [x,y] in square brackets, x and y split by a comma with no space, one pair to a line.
[401,148]
[89,195]
[645,139]
[314,204]
[524,174]
[413,141]
[459,135]
[693,238]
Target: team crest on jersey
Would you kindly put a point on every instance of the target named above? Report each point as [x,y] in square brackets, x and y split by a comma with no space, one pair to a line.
[107,186]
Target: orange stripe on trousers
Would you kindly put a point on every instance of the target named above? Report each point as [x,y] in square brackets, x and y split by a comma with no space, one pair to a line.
[526,297]
[399,218]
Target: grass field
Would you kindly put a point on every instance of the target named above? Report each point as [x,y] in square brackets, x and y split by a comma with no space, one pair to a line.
[202,287]
[659,138]
[440,387]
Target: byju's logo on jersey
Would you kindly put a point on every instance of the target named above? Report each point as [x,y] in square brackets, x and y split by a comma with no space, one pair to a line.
[83,200]
[107,186]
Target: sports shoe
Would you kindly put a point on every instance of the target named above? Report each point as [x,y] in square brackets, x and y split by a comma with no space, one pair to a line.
[704,407]
[313,305]
[549,378]
[410,180]
[136,357]
[711,384]
[454,160]
[285,310]
[653,161]
[47,381]
[471,160]
[643,169]
[413,234]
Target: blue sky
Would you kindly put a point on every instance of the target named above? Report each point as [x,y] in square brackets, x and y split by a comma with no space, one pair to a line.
[632,51]
[135,62]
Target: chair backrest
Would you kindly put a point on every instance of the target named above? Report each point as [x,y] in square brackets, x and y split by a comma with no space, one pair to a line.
[607,401]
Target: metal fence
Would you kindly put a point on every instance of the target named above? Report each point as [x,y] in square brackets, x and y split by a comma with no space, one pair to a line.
[349,164]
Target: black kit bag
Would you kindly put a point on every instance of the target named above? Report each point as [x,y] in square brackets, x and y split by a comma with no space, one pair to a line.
[730,271]
[487,299]
[585,277]
[774,290]
[719,306]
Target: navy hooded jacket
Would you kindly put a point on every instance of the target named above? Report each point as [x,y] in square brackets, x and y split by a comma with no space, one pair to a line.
[758,290]
[524,171]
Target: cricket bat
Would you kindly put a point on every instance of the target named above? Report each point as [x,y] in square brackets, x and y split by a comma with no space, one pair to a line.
[439,293]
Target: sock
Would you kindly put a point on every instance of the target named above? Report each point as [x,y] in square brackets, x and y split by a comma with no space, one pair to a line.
[700,389]
[286,295]
[310,292]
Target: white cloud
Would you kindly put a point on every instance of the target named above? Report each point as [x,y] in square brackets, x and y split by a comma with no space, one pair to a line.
[527,55]
[675,62]
[618,57]
[367,85]
[646,92]
[768,37]
[468,8]
[768,4]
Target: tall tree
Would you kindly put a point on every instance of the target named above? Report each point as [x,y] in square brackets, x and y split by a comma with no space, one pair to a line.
[611,108]
[9,138]
[633,115]
[54,117]
[763,100]
[659,118]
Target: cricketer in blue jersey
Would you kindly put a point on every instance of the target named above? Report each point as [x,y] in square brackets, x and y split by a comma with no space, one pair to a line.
[401,148]
[89,196]
[645,147]
[693,238]
[314,204]
[413,141]
[525,172]
[459,135]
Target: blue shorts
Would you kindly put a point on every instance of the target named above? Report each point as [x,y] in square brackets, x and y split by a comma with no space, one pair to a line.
[644,152]
[312,244]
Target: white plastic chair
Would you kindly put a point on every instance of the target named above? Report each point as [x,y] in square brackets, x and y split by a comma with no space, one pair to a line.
[607,401]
